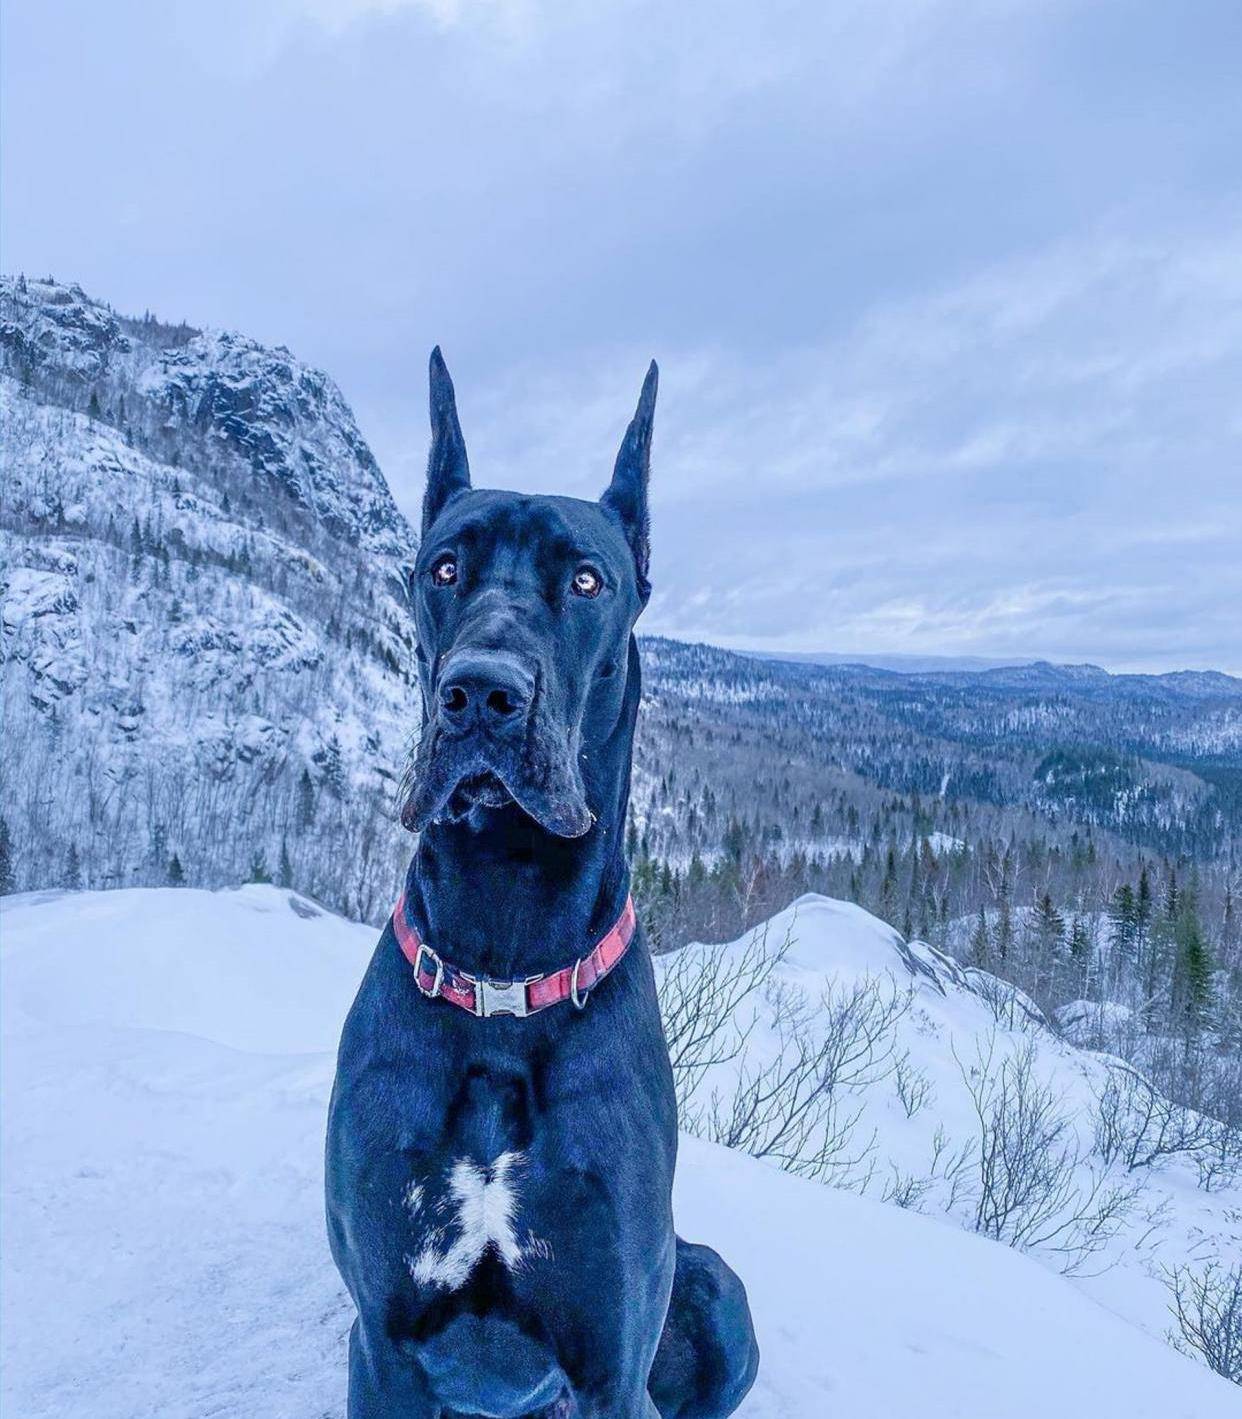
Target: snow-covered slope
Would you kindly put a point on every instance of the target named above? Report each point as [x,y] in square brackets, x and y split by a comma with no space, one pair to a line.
[905,1117]
[168,1056]
[207,657]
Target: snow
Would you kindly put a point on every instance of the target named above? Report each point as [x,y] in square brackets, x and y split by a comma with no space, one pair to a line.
[167,1060]
[956,1020]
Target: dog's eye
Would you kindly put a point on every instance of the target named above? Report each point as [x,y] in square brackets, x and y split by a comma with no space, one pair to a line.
[587,582]
[444,571]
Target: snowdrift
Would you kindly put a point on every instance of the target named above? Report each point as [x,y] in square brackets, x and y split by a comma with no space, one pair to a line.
[167,1060]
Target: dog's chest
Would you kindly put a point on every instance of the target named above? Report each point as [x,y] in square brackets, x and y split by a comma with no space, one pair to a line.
[467,1210]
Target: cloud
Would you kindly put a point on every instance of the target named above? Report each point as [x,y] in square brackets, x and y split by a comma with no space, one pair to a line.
[945,295]
[336,16]
[1034,461]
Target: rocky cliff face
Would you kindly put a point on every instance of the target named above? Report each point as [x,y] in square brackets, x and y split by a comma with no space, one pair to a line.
[208,660]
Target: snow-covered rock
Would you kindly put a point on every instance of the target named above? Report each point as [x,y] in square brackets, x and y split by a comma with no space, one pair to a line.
[167,1061]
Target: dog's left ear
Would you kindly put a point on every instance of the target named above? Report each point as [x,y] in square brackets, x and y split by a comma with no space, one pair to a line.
[448,468]
[626,497]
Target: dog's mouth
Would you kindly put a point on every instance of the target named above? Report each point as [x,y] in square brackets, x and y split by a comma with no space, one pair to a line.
[453,778]
[481,790]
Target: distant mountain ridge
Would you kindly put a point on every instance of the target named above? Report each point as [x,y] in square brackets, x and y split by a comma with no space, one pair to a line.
[1018,674]
[901,663]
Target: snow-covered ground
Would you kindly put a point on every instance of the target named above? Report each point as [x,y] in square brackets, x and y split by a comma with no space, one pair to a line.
[167,1061]
[913,1112]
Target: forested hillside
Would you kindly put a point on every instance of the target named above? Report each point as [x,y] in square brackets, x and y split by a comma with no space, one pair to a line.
[1072,832]
[208,669]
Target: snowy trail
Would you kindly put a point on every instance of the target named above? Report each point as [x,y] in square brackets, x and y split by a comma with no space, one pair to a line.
[165,1252]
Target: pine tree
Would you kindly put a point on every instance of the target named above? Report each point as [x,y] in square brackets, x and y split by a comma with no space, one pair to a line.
[176,873]
[285,870]
[1143,905]
[73,868]
[1122,919]
[1229,920]
[889,884]
[332,767]
[1049,928]
[1192,970]
[1079,941]
[981,941]
[258,869]
[8,878]
[1004,930]
[306,800]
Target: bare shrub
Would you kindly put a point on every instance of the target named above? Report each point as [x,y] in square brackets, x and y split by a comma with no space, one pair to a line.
[1220,1161]
[1207,1306]
[1032,1189]
[799,1109]
[702,994]
[1139,1127]
[914,1088]
[950,1167]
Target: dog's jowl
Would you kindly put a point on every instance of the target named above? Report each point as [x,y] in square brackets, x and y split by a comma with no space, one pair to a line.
[503,1129]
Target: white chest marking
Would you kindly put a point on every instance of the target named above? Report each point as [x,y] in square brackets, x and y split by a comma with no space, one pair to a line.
[481,1207]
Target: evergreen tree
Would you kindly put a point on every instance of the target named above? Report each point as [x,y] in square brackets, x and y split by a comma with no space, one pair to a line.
[1049,927]
[1192,970]
[258,869]
[1144,909]
[1079,941]
[306,800]
[1122,919]
[285,870]
[1004,931]
[332,767]
[981,941]
[176,873]
[8,878]
[73,868]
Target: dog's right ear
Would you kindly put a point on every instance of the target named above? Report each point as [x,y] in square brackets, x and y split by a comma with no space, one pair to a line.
[448,469]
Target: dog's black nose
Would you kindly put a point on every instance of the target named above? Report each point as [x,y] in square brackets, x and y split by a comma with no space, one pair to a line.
[492,691]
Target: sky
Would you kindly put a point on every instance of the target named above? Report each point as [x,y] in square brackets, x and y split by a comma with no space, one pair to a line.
[947,297]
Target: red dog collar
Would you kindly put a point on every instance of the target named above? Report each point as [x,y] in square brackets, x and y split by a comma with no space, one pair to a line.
[484,997]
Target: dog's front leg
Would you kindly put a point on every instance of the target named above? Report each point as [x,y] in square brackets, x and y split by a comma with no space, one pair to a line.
[382,1383]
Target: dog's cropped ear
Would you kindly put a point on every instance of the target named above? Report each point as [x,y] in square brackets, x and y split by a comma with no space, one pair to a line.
[626,496]
[448,469]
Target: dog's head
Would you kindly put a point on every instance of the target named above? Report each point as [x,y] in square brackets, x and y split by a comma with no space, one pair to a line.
[524,606]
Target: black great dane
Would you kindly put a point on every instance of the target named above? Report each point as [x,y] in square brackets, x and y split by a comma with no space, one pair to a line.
[503,1127]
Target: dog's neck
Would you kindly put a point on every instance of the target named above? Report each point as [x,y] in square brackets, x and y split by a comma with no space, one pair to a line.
[498,895]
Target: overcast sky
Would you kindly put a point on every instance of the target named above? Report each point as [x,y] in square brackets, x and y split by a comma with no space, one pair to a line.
[947,297]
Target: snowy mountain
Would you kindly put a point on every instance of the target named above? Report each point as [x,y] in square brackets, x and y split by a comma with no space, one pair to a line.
[207,655]
[163,1126]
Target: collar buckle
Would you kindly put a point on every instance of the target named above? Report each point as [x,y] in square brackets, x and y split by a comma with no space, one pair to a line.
[437,966]
[499,997]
